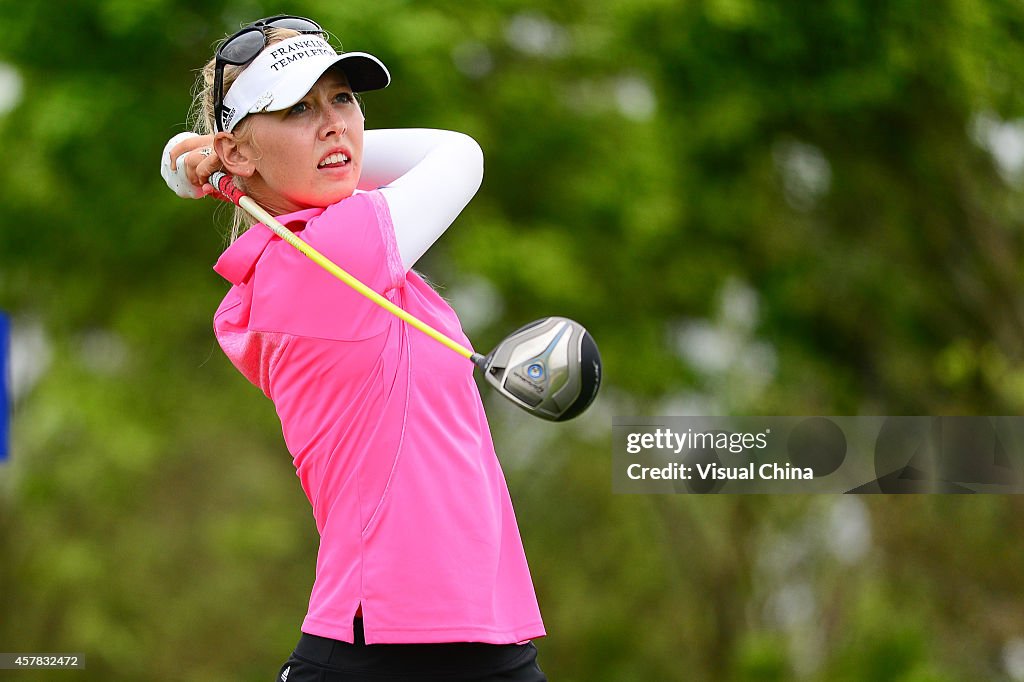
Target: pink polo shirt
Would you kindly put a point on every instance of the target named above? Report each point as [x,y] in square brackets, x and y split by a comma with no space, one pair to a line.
[387,433]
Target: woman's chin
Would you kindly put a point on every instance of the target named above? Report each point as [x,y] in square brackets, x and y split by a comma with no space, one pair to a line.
[323,200]
[335,194]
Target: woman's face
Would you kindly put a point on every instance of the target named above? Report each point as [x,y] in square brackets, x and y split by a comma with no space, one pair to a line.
[309,155]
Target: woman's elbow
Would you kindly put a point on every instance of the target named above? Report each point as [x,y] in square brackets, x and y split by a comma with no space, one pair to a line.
[471,160]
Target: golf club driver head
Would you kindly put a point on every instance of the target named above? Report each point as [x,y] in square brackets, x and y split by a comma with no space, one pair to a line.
[551,368]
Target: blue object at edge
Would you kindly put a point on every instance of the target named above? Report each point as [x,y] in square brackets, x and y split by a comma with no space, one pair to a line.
[5,386]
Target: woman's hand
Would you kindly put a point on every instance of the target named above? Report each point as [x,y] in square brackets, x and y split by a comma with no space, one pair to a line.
[187,163]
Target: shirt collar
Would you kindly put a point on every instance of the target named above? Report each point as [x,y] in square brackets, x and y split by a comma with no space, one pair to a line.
[239,259]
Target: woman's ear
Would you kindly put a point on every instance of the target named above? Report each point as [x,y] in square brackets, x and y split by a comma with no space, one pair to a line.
[238,157]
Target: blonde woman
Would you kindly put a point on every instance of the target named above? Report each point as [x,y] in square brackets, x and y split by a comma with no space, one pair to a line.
[421,573]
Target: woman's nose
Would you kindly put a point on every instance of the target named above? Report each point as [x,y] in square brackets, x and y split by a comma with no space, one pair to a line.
[333,122]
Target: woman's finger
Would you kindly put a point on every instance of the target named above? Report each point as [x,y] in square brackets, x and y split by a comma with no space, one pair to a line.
[192,161]
[187,145]
[206,166]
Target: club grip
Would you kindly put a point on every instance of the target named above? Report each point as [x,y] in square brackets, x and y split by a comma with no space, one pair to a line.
[221,182]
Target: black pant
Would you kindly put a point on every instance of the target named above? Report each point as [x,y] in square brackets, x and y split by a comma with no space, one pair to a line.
[318,659]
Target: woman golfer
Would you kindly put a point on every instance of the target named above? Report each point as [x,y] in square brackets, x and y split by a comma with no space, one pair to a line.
[421,573]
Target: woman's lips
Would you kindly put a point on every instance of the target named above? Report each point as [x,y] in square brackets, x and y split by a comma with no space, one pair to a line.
[334,160]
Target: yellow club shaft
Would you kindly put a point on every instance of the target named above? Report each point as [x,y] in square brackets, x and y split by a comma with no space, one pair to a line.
[327,264]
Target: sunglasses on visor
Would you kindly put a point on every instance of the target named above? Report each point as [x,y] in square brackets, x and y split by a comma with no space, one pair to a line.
[245,46]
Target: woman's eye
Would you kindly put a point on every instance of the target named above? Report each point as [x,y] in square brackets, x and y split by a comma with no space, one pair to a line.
[345,97]
[298,108]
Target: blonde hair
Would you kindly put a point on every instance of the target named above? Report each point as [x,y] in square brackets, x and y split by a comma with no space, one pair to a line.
[201,115]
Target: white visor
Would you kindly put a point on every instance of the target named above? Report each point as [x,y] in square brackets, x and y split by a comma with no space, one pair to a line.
[284,72]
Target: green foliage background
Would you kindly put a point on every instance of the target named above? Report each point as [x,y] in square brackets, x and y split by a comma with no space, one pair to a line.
[782,207]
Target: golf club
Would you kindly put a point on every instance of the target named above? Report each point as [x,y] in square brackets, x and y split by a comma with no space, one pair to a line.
[551,367]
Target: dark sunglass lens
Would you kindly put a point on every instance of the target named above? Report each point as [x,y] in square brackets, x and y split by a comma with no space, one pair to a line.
[242,49]
[297,24]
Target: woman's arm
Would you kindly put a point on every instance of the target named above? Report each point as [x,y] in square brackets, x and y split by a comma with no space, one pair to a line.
[427,178]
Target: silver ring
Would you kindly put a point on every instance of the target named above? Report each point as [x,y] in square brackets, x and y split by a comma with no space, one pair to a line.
[206,151]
